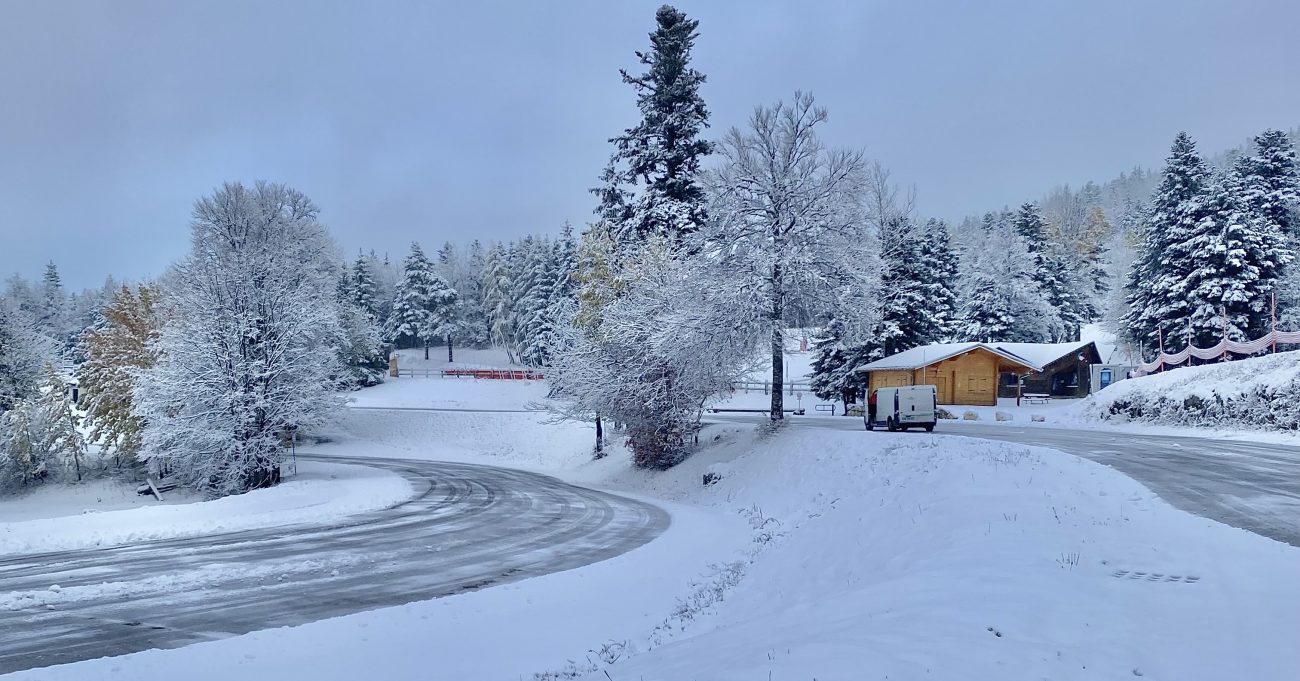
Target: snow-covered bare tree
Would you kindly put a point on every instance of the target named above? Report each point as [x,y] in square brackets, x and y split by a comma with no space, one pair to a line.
[246,356]
[63,441]
[23,349]
[786,226]
[643,364]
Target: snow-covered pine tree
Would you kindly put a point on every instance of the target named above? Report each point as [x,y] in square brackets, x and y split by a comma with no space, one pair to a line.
[444,314]
[412,317]
[1236,257]
[1156,285]
[241,364]
[120,345]
[364,294]
[941,262]
[1050,272]
[906,319]
[1271,190]
[477,331]
[1002,302]
[386,276]
[563,291]
[497,286]
[832,372]
[54,303]
[661,155]
[534,333]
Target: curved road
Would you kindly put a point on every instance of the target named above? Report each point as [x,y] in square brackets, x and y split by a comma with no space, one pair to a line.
[1250,485]
[467,527]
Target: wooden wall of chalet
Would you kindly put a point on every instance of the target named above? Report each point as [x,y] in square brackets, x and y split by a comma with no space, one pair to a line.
[970,378]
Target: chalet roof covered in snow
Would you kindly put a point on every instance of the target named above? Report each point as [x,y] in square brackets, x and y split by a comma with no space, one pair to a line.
[1043,354]
[929,354]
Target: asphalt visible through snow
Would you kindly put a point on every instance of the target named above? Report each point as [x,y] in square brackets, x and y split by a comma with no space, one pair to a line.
[468,527]
[1250,485]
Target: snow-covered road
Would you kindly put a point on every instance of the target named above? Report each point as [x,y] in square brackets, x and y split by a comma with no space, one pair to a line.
[468,527]
[1251,485]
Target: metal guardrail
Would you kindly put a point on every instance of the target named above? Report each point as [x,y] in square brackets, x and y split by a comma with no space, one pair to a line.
[789,388]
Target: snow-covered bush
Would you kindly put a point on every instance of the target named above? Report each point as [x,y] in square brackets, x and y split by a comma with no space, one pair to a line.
[1262,392]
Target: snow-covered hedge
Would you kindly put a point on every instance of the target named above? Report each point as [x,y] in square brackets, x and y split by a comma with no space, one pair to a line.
[1261,392]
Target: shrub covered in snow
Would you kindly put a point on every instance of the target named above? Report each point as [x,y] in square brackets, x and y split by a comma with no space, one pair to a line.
[1261,392]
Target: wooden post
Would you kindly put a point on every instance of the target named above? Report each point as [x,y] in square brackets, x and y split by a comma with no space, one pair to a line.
[1160,349]
[1224,311]
[1272,321]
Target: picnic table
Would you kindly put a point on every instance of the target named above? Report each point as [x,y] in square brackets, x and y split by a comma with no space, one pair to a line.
[1036,398]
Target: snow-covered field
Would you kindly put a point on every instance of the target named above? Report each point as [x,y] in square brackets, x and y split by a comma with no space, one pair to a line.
[52,520]
[819,554]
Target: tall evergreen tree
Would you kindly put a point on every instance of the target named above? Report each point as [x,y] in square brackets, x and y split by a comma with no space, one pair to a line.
[906,318]
[477,330]
[1156,285]
[1234,257]
[941,262]
[1271,187]
[833,376]
[650,185]
[53,315]
[363,292]
[1003,301]
[497,286]
[425,305]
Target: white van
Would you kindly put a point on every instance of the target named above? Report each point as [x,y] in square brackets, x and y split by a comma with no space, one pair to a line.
[912,406]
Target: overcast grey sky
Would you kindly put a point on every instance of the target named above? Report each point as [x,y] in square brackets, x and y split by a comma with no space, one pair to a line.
[432,121]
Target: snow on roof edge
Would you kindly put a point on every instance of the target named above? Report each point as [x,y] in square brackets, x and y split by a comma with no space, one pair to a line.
[918,357]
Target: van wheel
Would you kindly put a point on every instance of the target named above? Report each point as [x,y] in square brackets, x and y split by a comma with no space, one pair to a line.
[929,427]
[890,426]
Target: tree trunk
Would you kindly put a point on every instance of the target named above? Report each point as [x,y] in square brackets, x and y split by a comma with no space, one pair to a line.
[600,438]
[778,346]
[426,350]
[449,355]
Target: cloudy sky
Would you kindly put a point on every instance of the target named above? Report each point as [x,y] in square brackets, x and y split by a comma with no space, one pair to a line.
[489,119]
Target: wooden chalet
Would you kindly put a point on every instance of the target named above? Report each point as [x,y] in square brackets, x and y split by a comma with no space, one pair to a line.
[963,373]
[1065,369]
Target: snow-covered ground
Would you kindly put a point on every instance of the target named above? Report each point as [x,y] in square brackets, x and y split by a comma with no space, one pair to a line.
[92,496]
[818,554]
[419,392]
[53,520]
[1259,392]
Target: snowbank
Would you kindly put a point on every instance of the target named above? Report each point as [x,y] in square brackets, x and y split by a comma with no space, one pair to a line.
[942,557]
[319,493]
[92,496]
[1261,392]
